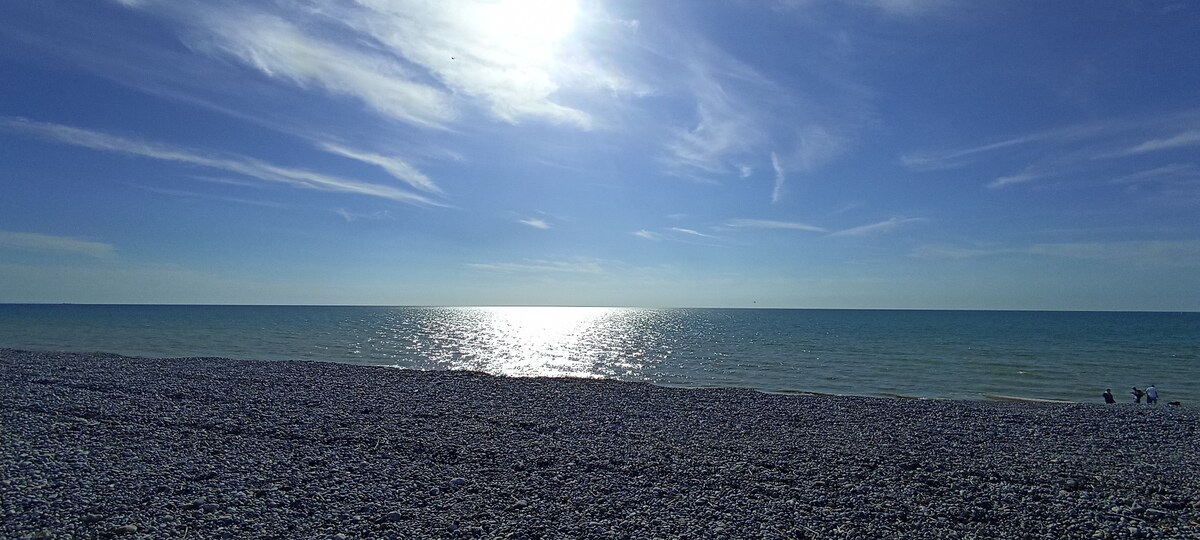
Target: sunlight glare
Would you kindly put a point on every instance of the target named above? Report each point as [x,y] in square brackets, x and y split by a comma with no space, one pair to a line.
[530,29]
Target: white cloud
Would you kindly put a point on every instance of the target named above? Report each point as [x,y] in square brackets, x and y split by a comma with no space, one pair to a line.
[690,232]
[779,178]
[422,63]
[281,50]
[245,166]
[962,157]
[1151,252]
[731,121]
[875,228]
[771,224]
[1182,140]
[535,223]
[953,159]
[648,235]
[580,266]
[946,251]
[1182,252]
[508,54]
[56,244]
[394,166]
[722,129]
[1005,181]
[1167,172]
[818,145]
[906,7]
[351,217]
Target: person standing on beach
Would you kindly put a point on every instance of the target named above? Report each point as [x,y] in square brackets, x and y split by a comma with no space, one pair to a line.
[1108,397]
[1151,395]
[1137,395]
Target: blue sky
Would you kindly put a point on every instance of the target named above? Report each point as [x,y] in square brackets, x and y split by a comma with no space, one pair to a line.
[770,153]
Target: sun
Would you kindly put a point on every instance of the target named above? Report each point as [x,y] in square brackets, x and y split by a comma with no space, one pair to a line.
[529,28]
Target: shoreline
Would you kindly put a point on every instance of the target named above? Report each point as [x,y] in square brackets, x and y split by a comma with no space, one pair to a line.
[981,396]
[112,445]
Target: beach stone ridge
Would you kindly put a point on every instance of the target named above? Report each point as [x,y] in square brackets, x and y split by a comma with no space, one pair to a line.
[95,445]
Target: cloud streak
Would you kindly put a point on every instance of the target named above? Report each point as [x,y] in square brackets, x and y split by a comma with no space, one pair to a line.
[397,168]
[535,223]
[690,232]
[877,228]
[779,178]
[771,224]
[281,50]
[542,267]
[56,244]
[244,166]
[1184,253]
[426,64]
[503,53]
[1021,178]
[1182,140]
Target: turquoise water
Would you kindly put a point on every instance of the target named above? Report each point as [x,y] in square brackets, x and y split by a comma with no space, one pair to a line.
[928,354]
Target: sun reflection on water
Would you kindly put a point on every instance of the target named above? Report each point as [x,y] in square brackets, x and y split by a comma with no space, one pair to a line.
[539,341]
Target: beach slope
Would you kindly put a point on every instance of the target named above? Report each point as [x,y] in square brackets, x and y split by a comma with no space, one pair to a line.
[102,445]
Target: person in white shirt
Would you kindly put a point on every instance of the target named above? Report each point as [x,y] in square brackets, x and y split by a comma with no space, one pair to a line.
[1151,395]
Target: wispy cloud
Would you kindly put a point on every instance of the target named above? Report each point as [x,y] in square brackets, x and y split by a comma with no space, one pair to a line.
[924,161]
[771,224]
[487,50]
[1182,140]
[184,194]
[1154,252]
[949,251]
[245,166]
[890,7]
[535,223]
[56,244]
[421,63]
[817,145]
[1183,252]
[690,232]
[1072,151]
[579,266]
[1021,178]
[351,217]
[725,128]
[876,228]
[906,7]
[648,235]
[1174,171]
[281,50]
[396,167]
[953,159]
[779,178]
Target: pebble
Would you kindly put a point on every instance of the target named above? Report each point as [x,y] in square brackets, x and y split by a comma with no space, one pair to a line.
[211,448]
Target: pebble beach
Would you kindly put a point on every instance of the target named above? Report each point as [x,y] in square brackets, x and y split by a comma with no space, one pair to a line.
[100,446]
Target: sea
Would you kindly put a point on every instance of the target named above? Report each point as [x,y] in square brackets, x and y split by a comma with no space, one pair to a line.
[974,355]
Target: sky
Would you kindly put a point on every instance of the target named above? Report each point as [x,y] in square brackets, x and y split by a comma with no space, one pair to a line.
[927,154]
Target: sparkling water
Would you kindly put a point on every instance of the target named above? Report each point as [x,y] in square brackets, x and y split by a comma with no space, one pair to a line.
[924,354]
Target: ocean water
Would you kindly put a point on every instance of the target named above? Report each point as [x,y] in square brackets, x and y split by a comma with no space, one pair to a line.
[920,354]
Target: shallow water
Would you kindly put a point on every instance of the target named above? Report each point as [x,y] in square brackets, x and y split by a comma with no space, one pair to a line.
[927,354]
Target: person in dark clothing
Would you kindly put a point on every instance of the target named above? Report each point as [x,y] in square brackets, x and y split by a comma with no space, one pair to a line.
[1137,395]
[1108,397]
